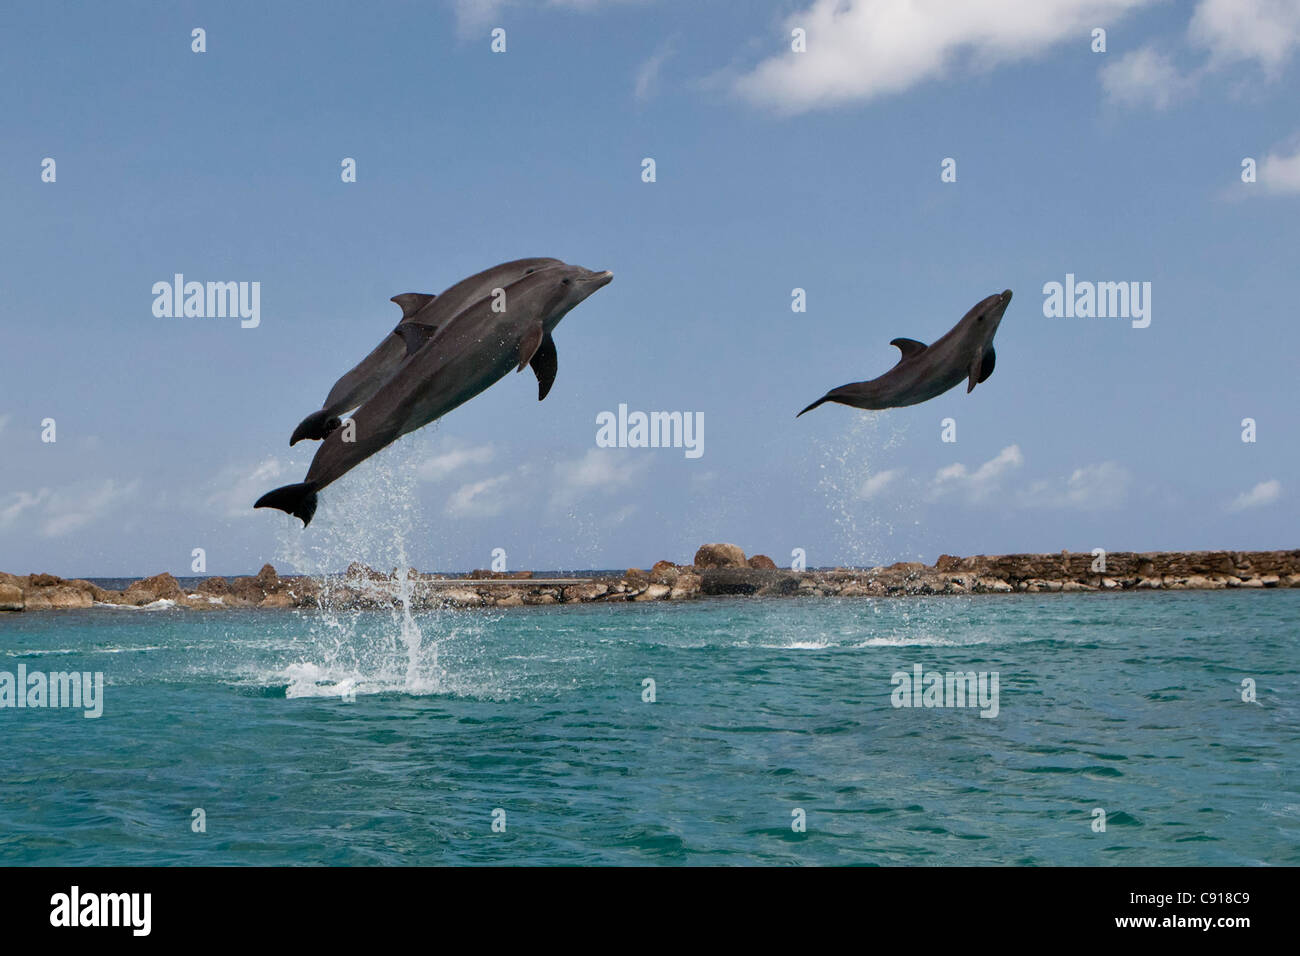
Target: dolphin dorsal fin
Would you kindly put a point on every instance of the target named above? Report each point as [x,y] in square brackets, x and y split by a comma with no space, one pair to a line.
[908,347]
[412,302]
[414,334]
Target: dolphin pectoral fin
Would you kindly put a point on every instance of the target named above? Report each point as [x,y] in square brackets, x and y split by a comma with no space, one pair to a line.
[529,344]
[545,363]
[908,347]
[412,302]
[414,334]
[986,366]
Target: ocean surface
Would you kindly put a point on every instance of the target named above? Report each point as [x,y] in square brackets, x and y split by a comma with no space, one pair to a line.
[389,738]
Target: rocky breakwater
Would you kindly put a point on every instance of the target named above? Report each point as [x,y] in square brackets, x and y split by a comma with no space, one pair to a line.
[716,570]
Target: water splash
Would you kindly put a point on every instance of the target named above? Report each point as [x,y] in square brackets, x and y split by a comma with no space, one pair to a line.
[363,523]
[851,459]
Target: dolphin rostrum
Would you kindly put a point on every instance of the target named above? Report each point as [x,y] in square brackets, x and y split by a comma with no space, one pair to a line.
[472,353]
[422,316]
[924,371]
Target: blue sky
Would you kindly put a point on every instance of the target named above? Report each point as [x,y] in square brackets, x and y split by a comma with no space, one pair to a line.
[775,170]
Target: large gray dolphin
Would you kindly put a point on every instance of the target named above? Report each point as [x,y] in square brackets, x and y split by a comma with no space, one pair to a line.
[924,371]
[472,353]
[422,316]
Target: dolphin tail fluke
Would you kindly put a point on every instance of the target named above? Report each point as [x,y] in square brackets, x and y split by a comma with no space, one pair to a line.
[315,426]
[298,500]
[824,398]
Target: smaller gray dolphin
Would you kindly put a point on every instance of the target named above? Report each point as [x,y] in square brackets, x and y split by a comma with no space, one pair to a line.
[925,371]
[422,316]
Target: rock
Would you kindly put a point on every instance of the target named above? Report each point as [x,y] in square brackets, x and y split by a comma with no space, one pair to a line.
[460,597]
[213,586]
[357,570]
[854,589]
[782,585]
[687,586]
[11,597]
[664,572]
[55,598]
[947,563]
[267,579]
[654,592]
[513,599]
[720,556]
[636,578]
[996,585]
[1252,583]
[157,588]
[762,562]
[277,599]
[741,580]
[581,593]
[1269,580]
[44,580]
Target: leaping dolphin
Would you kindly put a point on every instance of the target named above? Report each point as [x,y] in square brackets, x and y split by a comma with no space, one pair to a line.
[422,316]
[472,353]
[924,371]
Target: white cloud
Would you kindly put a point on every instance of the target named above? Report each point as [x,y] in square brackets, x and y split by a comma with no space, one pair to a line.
[1144,77]
[978,484]
[1264,493]
[480,499]
[1280,172]
[1098,487]
[60,511]
[474,15]
[1264,31]
[20,501]
[236,487]
[861,49]
[601,469]
[456,456]
[877,483]
[647,74]
[78,505]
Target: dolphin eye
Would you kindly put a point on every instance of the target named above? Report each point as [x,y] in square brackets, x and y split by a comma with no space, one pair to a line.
[530,271]
[565,282]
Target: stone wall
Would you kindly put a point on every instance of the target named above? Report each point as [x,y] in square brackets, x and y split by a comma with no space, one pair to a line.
[717,570]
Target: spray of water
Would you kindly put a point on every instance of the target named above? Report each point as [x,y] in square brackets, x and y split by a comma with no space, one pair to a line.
[849,460]
[364,521]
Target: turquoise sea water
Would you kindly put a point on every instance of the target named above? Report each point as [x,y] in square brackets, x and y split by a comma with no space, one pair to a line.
[1129,703]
